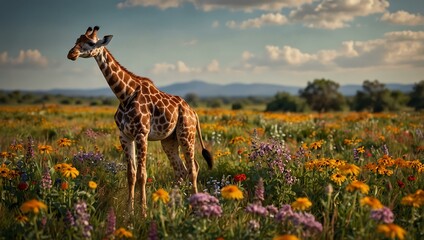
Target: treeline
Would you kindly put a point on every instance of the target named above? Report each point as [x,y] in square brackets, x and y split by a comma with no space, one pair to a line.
[28,98]
[322,95]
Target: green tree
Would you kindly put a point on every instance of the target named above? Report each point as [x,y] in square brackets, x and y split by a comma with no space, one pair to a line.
[375,97]
[323,95]
[286,102]
[417,96]
[192,99]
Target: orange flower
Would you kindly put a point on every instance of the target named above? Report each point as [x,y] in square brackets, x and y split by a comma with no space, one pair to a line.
[162,195]
[33,206]
[358,185]
[301,204]
[372,202]
[231,192]
[45,149]
[64,142]
[392,231]
[64,185]
[92,184]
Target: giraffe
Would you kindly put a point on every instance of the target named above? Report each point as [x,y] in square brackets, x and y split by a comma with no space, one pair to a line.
[145,114]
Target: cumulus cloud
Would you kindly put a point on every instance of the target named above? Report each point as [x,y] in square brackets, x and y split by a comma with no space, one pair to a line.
[334,14]
[213,66]
[265,19]
[26,58]
[394,49]
[179,67]
[209,5]
[403,18]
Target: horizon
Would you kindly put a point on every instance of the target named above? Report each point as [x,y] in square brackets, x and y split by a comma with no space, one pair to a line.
[281,42]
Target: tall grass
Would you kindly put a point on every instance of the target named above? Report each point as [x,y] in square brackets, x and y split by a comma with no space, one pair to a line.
[314,176]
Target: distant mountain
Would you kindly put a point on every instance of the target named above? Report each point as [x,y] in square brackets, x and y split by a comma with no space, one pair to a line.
[204,89]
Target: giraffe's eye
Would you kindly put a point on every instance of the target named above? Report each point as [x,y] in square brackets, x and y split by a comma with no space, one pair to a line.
[91,44]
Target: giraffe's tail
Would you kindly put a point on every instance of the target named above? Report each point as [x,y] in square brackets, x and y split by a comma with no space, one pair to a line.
[205,153]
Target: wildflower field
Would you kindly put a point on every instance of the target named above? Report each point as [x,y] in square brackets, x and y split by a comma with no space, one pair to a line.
[276,176]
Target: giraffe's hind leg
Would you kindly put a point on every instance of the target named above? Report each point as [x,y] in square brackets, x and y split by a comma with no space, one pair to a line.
[171,148]
[186,137]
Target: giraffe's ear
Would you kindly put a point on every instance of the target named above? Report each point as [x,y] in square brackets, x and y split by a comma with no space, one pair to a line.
[105,41]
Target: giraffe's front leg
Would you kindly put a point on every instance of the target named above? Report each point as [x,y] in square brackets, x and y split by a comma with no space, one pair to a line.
[141,143]
[129,149]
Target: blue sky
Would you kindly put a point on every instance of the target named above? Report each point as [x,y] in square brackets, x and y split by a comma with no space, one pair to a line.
[287,42]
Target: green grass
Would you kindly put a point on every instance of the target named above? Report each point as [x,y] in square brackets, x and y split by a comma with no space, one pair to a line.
[246,142]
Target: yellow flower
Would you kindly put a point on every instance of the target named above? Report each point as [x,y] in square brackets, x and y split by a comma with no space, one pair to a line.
[21,219]
[391,230]
[358,185]
[416,199]
[4,171]
[231,192]
[92,185]
[122,233]
[301,204]
[162,195]
[349,169]
[372,202]
[70,171]
[45,149]
[33,206]
[4,154]
[316,145]
[64,142]
[285,237]
[361,149]
[338,178]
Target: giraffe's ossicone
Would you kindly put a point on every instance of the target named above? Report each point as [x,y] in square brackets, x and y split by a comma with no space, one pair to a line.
[145,114]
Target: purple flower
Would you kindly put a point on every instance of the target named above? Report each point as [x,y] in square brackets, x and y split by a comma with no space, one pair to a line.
[257,209]
[260,190]
[153,231]
[69,219]
[46,180]
[91,158]
[110,222]
[29,149]
[284,213]
[82,219]
[305,221]
[272,210]
[275,155]
[253,225]
[355,154]
[384,215]
[385,150]
[205,205]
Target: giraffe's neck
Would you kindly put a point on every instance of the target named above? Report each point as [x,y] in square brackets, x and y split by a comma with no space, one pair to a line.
[122,82]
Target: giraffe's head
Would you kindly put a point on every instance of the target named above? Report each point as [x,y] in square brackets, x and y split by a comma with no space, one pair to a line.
[88,45]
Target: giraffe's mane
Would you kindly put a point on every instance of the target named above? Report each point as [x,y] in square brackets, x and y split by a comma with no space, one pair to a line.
[133,76]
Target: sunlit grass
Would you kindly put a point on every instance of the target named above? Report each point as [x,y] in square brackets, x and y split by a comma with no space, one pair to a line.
[324,176]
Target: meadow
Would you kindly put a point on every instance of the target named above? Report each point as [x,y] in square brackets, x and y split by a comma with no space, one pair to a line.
[343,175]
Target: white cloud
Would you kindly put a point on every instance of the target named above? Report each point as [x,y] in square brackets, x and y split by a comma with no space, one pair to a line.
[265,19]
[334,14]
[26,58]
[164,67]
[209,5]
[161,4]
[213,66]
[402,49]
[180,67]
[246,55]
[403,18]
[190,42]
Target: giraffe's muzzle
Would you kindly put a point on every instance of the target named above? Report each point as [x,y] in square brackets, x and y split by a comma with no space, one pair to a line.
[73,55]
